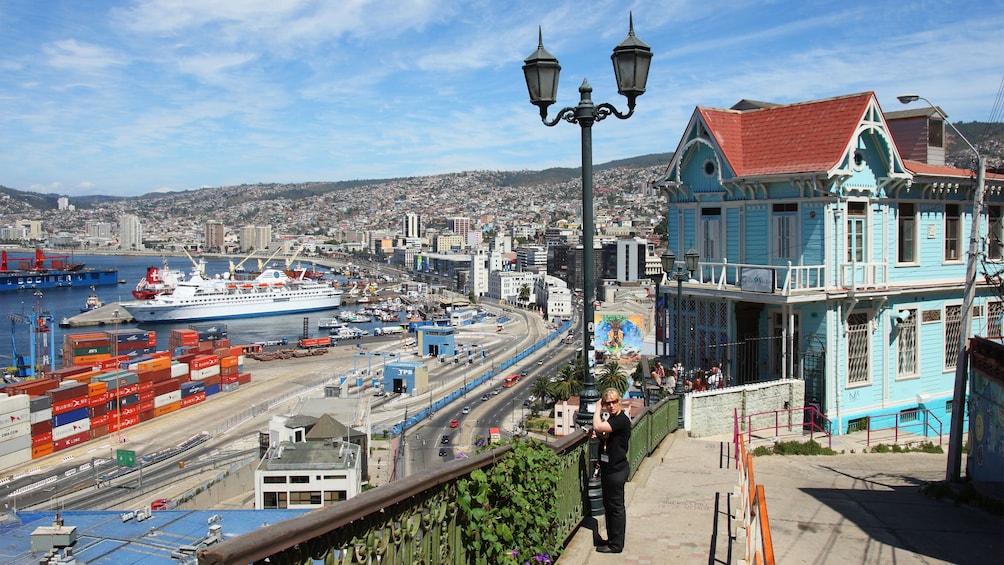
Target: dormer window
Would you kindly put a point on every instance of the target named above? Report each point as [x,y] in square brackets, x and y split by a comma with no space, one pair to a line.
[709,168]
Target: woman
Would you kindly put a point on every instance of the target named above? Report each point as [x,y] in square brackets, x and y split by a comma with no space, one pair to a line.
[613,428]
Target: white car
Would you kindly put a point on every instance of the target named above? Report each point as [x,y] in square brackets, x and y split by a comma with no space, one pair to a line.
[466,410]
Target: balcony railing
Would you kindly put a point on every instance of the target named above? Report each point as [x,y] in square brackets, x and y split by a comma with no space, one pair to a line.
[418,519]
[791,279]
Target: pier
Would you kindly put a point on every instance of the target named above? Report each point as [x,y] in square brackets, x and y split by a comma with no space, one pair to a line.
[101,316]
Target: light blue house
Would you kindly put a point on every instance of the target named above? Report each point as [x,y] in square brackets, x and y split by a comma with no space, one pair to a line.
[832,242]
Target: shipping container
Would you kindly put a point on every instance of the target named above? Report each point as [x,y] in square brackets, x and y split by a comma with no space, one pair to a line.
[20,444]
[69,430]
[44,415]
[69,417]
[167,398]
[212,389]
[41,439]
[187,401]
[58,445]
[192,388]
[39,451]
[67,391]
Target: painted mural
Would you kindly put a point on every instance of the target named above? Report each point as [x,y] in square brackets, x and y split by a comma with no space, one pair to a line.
[986,411]
[618,336]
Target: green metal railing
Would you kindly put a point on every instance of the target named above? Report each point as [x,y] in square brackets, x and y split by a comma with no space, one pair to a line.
[417,519]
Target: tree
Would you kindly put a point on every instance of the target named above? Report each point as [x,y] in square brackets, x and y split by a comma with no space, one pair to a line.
[472,298]
[541,388]
[612,376]
[567,385]
[524,294]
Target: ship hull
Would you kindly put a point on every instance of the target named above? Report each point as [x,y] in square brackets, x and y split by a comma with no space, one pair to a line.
[271,294]
[21,280]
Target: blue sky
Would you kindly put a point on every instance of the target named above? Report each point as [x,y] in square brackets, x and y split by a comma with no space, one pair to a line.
[124,98]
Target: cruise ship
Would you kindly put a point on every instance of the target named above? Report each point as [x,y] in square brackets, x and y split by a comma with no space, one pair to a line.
[272,292]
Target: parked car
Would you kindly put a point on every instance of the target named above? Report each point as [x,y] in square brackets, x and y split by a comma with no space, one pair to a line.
[454,423]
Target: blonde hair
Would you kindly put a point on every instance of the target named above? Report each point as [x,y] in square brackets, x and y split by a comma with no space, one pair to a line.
[610,394]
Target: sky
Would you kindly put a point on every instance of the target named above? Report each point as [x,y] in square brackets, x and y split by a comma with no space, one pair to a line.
[129,97]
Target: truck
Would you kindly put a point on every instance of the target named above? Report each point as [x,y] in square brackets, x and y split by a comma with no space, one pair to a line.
[315,342]
[494,435]
[389,330]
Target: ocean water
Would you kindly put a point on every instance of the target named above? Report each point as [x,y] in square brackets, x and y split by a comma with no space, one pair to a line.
[67,302]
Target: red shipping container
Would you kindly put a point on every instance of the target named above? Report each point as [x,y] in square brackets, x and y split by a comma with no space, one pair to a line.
[41,450]
[42,427]
[67,392]
[194,399]
[99,431]
[98,399]
[125,391]
[116,424]
[69,404]
[43,438]
[164,387]
[228,379]
[71,441]
[101,420]
[99,410]
[244,378]
[145,387]
[145,395]
[126,411]
[146,416]
[146,405]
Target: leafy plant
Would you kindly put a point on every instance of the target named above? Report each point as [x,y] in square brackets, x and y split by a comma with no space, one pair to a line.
[508,511]
[810,447]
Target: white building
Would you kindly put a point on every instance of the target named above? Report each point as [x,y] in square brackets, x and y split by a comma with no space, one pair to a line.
[310,463]
[505,285]
[130,233]
[480,267]
[413,228]
[554,297]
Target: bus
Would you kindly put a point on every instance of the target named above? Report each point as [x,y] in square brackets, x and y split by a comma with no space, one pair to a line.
[510,380]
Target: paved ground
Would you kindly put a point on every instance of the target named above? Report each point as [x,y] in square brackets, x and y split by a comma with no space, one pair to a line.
[861,508]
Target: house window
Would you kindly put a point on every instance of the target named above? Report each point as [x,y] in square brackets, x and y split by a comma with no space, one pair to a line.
[906,344]
[995,313]
[858,349]
[952,232]
[274,500]
[299,479]
[300,498]
[995,234]
[935,132]
[711,233]
[907,228]
[784,219]
[856,220]
[953,324]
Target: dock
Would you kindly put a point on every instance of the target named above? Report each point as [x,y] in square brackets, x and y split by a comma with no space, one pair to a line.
[102,316]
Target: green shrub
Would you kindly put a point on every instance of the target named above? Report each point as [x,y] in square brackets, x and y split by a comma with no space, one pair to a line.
[810,447]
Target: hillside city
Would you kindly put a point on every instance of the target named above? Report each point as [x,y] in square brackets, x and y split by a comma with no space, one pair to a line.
[354,219]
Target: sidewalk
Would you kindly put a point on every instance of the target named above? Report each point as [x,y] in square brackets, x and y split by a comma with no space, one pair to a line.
[863,508]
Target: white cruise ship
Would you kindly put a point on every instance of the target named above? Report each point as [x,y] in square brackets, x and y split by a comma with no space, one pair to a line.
[271,293]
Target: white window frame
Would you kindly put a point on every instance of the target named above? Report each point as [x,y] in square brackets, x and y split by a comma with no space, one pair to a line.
[957,221]
[856,230]
[907,340]
[864,333]
[712,234]
[784,225]
[951,337]
[915,235]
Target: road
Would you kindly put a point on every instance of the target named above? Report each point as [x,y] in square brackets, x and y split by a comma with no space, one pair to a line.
[67,478]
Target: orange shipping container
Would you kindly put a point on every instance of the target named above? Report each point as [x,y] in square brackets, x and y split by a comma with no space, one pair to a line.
[88,360]
[228,362]
[94,389]
[38,451]
[167,409]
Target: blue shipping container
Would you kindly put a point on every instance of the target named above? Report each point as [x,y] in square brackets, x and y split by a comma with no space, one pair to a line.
[70,417]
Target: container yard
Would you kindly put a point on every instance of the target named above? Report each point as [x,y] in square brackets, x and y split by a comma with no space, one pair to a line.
[110,381]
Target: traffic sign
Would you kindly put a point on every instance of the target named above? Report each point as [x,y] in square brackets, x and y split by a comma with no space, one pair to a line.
[125,458]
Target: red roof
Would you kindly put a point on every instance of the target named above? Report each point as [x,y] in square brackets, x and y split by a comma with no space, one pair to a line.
[795,138]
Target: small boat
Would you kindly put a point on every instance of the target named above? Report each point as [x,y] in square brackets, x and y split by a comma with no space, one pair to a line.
[92,302]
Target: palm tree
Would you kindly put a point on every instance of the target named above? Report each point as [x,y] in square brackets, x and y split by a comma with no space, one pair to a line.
[567,385]
[524,294]
[612,376]
[541,388]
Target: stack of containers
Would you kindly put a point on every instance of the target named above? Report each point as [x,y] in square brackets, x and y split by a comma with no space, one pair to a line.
[192,392]
[71,422]
[41,425]
[229,368]
[132,343]
[166,397]
[123,399]
[15,430]
[85,349]
[97,401]
[181,342]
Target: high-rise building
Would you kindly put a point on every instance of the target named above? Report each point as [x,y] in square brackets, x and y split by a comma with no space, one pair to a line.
[462,226]
[130,233]
[214,235]
[97,230]
[413,228]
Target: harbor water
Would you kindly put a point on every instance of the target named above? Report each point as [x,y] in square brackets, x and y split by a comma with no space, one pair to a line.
[67,302]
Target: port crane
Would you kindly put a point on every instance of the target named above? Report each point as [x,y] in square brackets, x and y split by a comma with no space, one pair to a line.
[41,342]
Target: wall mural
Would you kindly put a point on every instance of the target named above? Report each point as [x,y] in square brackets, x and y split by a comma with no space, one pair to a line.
[618,337]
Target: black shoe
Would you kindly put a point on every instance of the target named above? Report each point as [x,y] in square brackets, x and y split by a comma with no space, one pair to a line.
[602,542]
[607,549]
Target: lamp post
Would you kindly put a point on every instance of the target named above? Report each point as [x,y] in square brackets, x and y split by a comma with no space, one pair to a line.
[631,61]
[668,261]
[954,473]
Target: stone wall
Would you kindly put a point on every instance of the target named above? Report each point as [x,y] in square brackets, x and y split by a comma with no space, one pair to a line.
[711,413]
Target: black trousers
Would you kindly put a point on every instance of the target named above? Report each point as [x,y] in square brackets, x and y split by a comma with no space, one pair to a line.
[613,505]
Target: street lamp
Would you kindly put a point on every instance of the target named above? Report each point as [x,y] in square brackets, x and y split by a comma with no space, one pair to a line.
[954,473]
[680,274]
[631,60]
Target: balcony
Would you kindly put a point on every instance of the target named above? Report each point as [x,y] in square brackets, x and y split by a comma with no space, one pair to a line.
[790,279]
[427,518]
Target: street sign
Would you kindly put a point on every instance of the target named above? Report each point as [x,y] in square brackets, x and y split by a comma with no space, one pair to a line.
[125,458]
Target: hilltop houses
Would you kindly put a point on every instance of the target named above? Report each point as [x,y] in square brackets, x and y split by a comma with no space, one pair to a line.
[832,239]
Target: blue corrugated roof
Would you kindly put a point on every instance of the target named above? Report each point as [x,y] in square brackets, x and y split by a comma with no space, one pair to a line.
[102,537]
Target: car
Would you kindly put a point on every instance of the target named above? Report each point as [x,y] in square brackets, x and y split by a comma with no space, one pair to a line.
[444,439]
[523,374]
[454,423]
[466,410]
[541,362]
[442,452]
[484,398]
[496,391]
[160,504]
[526,402]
